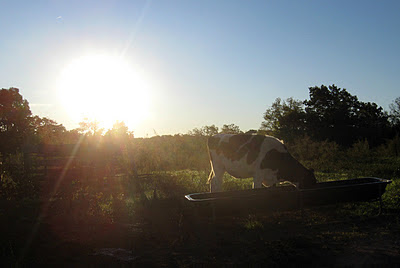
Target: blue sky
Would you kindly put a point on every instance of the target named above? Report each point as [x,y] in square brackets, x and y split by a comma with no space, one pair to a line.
[208,62]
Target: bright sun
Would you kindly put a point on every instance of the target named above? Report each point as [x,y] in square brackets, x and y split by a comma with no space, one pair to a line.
[105,89]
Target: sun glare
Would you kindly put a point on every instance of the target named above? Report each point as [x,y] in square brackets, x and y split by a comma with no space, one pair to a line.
[104,88]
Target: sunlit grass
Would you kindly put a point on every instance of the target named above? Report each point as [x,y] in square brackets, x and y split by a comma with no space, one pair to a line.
[253,223]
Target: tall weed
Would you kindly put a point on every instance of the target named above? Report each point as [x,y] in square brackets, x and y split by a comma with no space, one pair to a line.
[319,155]
[391,148]
[359,150]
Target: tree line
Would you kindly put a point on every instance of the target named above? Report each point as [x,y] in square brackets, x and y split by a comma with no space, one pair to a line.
[331,125]
[330,113]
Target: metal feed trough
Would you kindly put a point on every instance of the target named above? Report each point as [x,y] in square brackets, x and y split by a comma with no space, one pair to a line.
[289,197]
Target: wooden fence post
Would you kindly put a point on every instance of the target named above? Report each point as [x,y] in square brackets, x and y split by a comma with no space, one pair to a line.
[27,155]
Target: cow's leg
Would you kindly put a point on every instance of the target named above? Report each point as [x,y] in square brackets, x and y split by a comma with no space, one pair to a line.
[257,181]
[216,180]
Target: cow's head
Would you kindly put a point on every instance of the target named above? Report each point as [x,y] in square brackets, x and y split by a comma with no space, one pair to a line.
[307,178]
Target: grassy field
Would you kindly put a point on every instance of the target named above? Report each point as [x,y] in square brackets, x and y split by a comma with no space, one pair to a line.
[109,223]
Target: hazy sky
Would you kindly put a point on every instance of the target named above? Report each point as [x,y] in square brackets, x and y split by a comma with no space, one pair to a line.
[203,62]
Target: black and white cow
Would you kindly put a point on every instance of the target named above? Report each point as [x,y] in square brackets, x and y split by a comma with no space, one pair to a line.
[264,158]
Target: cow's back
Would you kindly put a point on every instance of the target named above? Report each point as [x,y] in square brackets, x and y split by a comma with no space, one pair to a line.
[241,155]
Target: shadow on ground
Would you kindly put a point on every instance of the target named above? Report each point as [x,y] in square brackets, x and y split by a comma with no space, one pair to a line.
[168,233]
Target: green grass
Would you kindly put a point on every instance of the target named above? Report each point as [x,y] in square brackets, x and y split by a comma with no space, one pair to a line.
[96,212]
[276,239]
[252,223]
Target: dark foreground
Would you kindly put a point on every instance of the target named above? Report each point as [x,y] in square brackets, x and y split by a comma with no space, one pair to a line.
[167,233]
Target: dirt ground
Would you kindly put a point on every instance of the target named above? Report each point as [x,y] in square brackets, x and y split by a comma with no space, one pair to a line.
[170,234]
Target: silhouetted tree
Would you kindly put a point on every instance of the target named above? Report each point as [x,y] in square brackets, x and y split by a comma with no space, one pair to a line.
[210,130]
[204,131]
[119,133]
[72,137]
[48,131]
[14,120]
[331,114]
[285,119]
[372,123]
[90,128]
[231,129]
[395,113]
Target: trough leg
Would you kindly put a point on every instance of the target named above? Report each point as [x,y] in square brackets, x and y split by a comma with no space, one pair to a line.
[380,206]
[213,212]
[380,202]
[300,201]
[216,180]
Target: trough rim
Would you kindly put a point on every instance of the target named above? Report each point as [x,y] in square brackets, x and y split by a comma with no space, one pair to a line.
[375,180]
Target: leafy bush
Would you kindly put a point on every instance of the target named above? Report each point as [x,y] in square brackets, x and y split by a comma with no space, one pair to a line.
[391,148]
[7,185]
[14,182]
[360,149]
[320,155]
[391,198]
